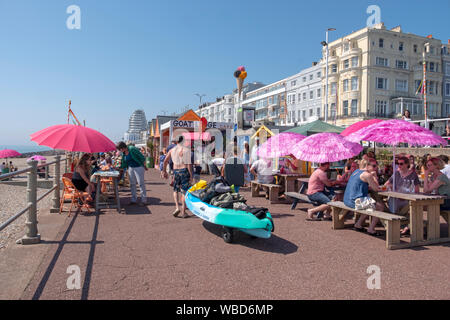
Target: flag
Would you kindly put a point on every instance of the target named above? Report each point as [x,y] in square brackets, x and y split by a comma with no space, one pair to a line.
[420,88]
[429,36]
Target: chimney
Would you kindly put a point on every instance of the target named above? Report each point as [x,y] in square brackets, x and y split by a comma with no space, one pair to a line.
[315,63]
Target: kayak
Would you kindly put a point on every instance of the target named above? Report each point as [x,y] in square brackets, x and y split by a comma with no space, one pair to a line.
[230,219]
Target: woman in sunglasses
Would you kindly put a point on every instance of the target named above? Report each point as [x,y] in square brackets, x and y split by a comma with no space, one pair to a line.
[405,181]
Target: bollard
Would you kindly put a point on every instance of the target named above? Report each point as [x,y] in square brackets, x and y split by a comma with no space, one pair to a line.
[32,236]
[56,183]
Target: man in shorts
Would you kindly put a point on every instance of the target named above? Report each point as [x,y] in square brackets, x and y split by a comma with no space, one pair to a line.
[316,192]
[183,175]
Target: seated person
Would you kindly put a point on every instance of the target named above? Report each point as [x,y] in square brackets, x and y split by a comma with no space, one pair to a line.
[262,170]
[41,170]
[316,191]
[358,187]
[343,180]
[81,176]
[404,178]
[435,182]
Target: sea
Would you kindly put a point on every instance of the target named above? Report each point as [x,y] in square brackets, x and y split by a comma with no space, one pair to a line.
[25,148]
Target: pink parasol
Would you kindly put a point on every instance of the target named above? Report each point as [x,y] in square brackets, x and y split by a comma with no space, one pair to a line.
[358,126]
[37,157]
[393,132]
[325,147]
[8,153]
[279,145]
[73,138]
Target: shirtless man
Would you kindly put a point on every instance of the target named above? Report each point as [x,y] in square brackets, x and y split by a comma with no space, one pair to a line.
[182,170]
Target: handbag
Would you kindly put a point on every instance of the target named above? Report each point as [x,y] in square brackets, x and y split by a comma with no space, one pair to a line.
[365,203]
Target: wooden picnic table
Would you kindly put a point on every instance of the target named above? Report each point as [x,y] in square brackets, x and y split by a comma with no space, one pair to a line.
[416,203]
[289,180]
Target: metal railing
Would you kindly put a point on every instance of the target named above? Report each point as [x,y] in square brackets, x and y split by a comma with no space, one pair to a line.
[32,236]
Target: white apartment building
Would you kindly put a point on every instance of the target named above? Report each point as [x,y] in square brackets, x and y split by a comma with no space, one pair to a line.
[220,111]
[269,102]
[375,72]
[304,95]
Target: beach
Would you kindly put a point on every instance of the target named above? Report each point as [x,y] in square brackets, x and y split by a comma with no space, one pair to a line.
[13,199]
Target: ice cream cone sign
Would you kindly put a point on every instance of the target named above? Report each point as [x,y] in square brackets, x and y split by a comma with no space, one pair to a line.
[240,74]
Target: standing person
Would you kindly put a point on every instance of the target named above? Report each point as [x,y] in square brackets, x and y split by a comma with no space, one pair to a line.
[246,157]
[182,171]
[134,161]
[358,187]
[316,191]
[162,157]
[406,115]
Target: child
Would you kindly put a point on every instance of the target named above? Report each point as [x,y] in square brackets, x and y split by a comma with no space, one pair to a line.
[162,157]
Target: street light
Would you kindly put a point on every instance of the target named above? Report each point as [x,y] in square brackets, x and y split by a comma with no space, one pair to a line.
[325,43]
[200,96]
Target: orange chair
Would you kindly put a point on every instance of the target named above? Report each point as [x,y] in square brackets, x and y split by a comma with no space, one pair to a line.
[71,193]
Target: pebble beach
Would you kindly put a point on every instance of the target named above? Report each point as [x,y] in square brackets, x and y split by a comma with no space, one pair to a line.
[13,199]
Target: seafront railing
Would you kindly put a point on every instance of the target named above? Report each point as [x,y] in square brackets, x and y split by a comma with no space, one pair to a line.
[32,236]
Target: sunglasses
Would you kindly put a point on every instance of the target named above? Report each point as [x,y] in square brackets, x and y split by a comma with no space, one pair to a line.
[401,163]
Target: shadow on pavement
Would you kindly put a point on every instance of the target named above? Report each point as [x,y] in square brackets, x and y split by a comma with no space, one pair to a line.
[85,290]
[274,244]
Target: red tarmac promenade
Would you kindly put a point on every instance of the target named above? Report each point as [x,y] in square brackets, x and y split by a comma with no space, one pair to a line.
[149,254]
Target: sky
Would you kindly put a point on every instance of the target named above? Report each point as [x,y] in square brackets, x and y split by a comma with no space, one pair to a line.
[155,55]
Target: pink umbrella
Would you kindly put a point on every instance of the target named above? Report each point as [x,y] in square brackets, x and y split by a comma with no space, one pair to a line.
[393,132]
[359,125]
[279,145]
[325,147]
[73,138]
[37,157]
[8,153]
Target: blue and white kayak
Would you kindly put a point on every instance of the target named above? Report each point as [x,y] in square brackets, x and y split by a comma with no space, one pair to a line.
[230,218]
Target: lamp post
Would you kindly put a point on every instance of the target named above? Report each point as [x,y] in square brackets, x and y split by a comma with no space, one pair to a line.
[200,96]
[325,43]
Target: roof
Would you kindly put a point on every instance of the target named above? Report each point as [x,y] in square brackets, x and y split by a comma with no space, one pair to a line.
[315,127]
[190,115]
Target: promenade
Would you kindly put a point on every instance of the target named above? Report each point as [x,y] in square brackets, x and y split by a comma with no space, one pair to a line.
[149,254]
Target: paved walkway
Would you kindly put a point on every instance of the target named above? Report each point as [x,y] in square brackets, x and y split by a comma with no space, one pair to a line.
[149,254]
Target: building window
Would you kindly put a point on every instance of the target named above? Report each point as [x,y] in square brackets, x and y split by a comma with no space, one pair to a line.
[399,64]
[381,43]
[298,115]
[354,62]
[447,89]
[415,48]
[318,93]
[345,108]
[311,76]
[354,83]
[432,66]
[319,74]
[431,87]
[401,85]
[346,46]
[333,110]
[333,68]
[333,88]
[311,95]
[447,67]
[304,96]
[293,83]
[345,85]
[354,107]
[382,62]
[311,112]
[381,83]
[400,46]
[346,64]
[446,110]
[304,79]
[304,115]
[380,107]
[318,112]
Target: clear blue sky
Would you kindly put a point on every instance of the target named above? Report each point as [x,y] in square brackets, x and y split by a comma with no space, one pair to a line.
[155,55]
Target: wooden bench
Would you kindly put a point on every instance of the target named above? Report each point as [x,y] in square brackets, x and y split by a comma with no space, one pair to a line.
[274,190]
[390,221]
